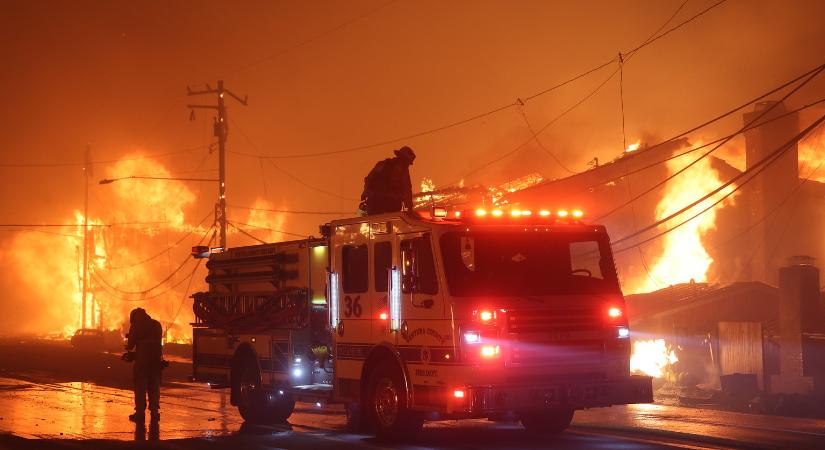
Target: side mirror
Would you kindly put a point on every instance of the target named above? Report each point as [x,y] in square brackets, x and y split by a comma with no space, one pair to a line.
[409,282]
[409,278]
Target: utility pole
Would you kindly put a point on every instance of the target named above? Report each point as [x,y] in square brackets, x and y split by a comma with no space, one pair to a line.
[87,172]
[220,131]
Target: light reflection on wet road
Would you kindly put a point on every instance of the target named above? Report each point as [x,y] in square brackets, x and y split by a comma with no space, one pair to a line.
[42,410]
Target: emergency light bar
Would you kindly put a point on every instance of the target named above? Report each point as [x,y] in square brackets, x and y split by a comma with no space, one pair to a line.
[442,213]
[333,296]
[395,298]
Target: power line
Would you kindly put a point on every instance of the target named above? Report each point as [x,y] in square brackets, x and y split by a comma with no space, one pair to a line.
[489,112]
[705,145]
[283,171]
[312,38]
[241,230]
[670,19]
[121,224]
[290,211]
[538,141]
[149,297]
[185,295]
[731,111]
[108,161]
[621,58]
[269,229]
[773,211]
[756,169]
[680,25]
[706,154]
[164,251]
[540,130]
[147,290]
[716,119]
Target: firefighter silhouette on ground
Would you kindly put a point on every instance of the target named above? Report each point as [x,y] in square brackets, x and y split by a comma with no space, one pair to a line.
[144,349]
[387,187]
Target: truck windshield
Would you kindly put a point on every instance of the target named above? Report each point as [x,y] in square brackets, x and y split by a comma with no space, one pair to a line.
[519,263]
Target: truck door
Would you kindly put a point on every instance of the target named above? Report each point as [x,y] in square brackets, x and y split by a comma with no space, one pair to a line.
[382,261]
[350,308]
[422,303]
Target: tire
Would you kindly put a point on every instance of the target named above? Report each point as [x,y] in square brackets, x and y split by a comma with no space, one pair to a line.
[386,405]
[547,422]
[256,405]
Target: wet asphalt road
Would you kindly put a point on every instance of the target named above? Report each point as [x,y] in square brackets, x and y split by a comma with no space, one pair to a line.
[42,414]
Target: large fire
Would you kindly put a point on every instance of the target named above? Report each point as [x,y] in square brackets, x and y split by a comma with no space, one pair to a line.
[811,156]
[267,221]
[683,257]
[652,357]
[139,239]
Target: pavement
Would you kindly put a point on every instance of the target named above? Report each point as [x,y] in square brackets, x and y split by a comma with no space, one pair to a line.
[41,410]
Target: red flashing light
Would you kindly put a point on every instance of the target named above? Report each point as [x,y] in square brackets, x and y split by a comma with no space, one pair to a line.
[481,212]
[577,213]
[458,214]
[544,213]
[562,213]
[486,316]
[497,213]
[439,212]
[614,312]
[383,316]
[490,351]
[458,393]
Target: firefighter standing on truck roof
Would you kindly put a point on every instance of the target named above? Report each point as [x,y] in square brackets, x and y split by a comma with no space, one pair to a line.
[388,187]
[145,349]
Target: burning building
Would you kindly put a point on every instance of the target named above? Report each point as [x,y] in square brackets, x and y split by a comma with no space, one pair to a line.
[736,259]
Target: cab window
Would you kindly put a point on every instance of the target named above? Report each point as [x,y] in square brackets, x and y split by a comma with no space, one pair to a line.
[418,267]
[382,261]
[355,271]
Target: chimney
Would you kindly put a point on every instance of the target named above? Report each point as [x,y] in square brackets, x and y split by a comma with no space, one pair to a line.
[764,194]
[799,316]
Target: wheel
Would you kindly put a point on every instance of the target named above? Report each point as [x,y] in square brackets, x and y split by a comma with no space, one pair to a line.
[547,422]
[256,405]
[387,405]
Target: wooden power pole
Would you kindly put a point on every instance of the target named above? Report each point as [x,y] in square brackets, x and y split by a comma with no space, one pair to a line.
[220,131]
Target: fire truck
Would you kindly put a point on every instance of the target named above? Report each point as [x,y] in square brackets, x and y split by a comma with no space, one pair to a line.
[414,316]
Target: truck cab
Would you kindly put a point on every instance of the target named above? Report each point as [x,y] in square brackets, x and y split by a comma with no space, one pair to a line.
[444,315]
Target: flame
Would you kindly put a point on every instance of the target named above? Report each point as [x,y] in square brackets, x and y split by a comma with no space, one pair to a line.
[652,357]
[121,258]
[267,220]
[811,156]
[684,257]
[633,147]
[427,185]
[149,201]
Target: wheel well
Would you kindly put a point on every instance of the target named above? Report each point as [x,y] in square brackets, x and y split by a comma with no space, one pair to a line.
[382,354]
[243,355]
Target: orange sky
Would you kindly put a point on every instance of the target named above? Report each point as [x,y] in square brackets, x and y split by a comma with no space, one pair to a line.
[114,74]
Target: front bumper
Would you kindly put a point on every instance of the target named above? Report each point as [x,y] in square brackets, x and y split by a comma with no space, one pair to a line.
[562,394]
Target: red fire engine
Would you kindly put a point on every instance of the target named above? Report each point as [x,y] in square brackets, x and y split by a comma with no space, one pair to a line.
[406,317]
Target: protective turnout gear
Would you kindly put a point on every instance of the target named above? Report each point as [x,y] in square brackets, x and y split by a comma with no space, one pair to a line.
[388,187]
[145,336]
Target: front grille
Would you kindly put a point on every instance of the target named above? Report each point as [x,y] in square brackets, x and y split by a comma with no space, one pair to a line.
[579,318]
[569,339]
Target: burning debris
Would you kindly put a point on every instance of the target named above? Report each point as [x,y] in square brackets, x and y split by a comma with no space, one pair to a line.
[653,357]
